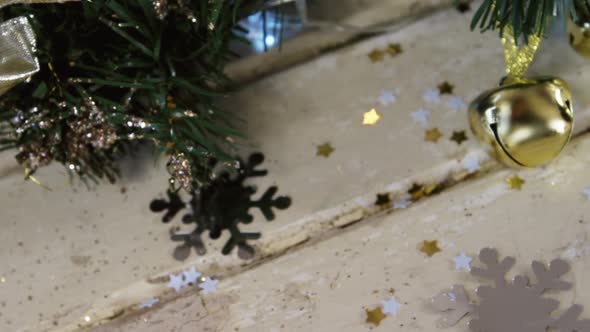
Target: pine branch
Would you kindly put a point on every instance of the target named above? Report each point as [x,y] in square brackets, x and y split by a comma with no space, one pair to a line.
[526,17]
[116,71]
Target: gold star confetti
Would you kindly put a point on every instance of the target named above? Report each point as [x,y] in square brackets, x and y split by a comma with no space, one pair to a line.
[376,55]
[371,117]
[383,200]
[515,182]
[432,135]
[375,316]
[459,136]
[394,49]
[446,88]
[430,247]
[324,150]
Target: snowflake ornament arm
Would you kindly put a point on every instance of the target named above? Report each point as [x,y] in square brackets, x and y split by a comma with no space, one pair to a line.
[453,305]
[548,279]
[568,321]
[494,270]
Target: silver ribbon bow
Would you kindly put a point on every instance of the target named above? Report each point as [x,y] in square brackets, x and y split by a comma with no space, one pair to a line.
[17,53]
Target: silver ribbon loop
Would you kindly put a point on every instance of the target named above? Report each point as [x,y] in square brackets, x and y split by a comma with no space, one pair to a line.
[17,53]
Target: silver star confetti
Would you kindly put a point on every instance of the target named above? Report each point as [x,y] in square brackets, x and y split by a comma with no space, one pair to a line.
[586,192]
[402,203]
[462,262]
[176,282]
[209,285]
[191,276]
[391,306]
[431,96]
[456,103]
[471,162]
[421,116]
[149,303]
[387,97]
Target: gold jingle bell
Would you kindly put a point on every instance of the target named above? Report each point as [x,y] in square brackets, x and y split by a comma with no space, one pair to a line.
[526,121]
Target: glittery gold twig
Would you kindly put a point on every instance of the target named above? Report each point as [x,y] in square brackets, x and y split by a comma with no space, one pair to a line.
[29,176]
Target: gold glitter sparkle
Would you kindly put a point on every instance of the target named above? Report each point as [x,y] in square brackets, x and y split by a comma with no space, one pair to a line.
[371,117]
[515,182]
[430,248]
[375,316]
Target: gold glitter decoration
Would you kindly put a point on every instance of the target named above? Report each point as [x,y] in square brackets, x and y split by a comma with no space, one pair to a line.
[375,316]
[2,280]
[376,55]
[324,150]
[87,130]
[371,117]
[394,49]
[459,136]
[383,200]
[179,168]
[446,88]
[518,59]
[430,247]
[515,182]
[432,135]
[161,8]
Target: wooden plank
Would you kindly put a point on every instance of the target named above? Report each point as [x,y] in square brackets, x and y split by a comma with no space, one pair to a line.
[328,285]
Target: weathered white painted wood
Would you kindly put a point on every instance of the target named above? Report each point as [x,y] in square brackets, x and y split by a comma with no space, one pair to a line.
[327,286]
[69,276]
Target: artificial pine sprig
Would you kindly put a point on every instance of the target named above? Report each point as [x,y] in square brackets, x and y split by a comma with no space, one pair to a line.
[116,71]
[526,17]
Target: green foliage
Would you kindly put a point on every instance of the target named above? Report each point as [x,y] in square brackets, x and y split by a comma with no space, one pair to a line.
[151,75]
[527,17]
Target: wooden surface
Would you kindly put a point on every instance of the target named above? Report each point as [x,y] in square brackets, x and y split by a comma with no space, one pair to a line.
[327,285]
[75,257]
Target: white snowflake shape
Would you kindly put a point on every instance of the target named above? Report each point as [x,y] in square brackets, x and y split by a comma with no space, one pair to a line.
[471,163]
[391,306]
[421,116]
[149,303]
[191,276]
[431,96]
[456,103]
[586,192]
[402,203]
[462,262]
[176,282]
[387,97]
[209,285]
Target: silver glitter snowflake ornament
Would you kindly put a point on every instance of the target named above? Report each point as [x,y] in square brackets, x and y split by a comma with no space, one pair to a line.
[516,306]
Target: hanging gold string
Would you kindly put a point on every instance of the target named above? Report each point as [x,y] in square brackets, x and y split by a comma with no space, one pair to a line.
[518,58]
